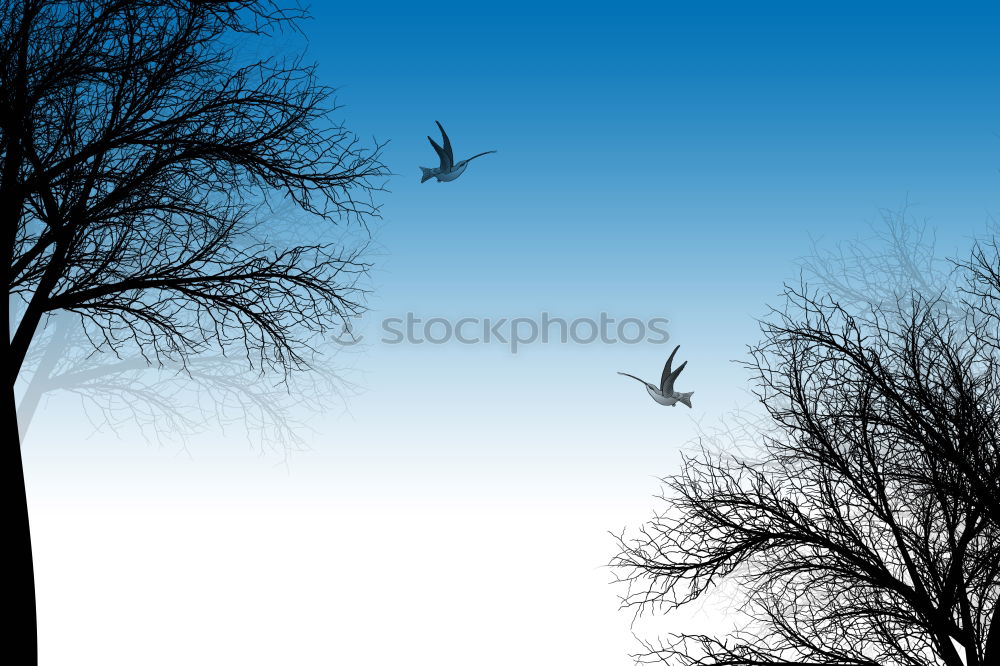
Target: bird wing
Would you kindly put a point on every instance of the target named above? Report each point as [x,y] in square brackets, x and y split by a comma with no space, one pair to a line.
[443,156]
[447,146]
[642,381]
[666,368]
[667,387]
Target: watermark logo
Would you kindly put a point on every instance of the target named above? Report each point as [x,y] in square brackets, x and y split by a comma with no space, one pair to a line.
[347,337]
[515,332]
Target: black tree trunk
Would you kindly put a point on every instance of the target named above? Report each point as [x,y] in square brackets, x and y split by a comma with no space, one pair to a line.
[21,572]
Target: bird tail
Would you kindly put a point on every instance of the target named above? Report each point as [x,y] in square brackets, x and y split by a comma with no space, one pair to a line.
[686,398]
[488,152]
[428,174]
[633,377]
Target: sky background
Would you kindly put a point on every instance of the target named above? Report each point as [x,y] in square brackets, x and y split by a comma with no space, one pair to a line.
[655,160]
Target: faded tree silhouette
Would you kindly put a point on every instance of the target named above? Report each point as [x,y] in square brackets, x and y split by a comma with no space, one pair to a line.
[141,152]
[865,527]
[898,257]
[170,402]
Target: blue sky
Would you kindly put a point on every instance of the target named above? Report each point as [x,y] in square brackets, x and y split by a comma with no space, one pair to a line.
[721,139]
[654,160]
[662,159]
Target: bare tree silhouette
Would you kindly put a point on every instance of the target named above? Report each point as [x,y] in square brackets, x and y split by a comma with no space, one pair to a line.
[867,528]
[168,402]
[138,150]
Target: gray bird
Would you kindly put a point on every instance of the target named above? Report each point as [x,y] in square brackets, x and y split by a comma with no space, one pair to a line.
[665,393]
[449,169]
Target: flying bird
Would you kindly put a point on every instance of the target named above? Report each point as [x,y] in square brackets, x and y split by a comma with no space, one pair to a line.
[449,168]
[665,393]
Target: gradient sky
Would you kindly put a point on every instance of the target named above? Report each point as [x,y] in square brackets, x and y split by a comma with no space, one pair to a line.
[655,160]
